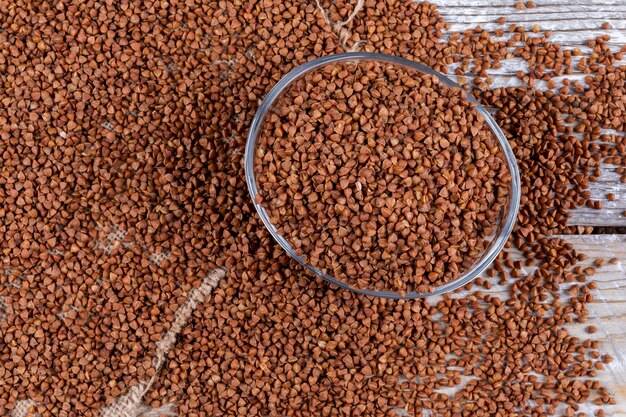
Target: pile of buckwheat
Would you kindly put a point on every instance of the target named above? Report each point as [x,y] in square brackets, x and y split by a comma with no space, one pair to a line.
[122,127]
[382,177]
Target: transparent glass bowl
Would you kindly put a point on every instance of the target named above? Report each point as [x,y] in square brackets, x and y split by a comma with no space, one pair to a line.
[495,242]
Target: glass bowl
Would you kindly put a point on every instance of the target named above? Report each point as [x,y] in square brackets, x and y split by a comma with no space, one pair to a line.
[495,242]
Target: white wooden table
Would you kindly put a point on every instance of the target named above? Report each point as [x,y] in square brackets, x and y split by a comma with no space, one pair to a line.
[572,23]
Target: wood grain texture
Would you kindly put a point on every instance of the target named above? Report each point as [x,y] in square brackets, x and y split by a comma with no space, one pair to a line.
[572,23]
[607,311]
[612,212]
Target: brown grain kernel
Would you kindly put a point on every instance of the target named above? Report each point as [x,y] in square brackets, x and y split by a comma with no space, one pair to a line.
[390,170]
[592,329]
[610,197]
[589,270]
[519,5]
[129,118]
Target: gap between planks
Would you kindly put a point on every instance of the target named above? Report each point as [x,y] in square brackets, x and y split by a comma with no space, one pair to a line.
[583,23]
[607,311]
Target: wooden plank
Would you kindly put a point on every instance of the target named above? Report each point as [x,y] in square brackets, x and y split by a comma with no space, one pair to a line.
[509,4]
[607,311]
[573,23]
[612,212]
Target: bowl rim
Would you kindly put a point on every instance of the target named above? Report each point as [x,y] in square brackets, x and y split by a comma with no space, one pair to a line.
[496,246]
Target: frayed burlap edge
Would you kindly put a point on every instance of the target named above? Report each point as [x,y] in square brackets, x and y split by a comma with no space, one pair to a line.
[131,405]
[340,27]
[4,310]
[24,408]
